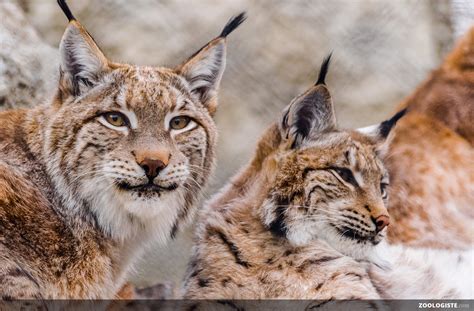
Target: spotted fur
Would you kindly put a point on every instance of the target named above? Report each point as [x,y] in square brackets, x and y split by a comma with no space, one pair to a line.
[77,205]
[300,221]
[431,159]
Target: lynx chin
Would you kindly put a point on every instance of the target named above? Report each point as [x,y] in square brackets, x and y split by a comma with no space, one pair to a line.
[117,159]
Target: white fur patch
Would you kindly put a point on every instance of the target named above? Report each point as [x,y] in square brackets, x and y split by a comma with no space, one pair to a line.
[421,273]
[267,212]
[372,130]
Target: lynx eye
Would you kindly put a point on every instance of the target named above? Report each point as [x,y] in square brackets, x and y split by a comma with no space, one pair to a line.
[345,174]
[383,190]
[116,119]
[179,123]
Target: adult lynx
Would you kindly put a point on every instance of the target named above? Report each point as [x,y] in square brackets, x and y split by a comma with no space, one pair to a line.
[431,159]
[307,217]
[118,158]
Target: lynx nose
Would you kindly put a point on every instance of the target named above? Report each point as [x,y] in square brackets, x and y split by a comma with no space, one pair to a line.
[152,162]
[152,167]
[381,222]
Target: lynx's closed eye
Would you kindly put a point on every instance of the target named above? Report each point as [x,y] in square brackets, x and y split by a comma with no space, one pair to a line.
[345,174]
[116,119]
[383,190]
[179,123]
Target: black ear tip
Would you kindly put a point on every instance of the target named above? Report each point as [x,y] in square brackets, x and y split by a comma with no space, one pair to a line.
[386,126]
[63,5]
[399,114]
[232,24]
[324,70]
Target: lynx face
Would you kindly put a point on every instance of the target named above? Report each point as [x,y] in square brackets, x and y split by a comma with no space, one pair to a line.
[134,144]
[329,184]
[139,142]
[335,189]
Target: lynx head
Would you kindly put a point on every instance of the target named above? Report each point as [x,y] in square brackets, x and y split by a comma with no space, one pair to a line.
[327,183]
[134,144]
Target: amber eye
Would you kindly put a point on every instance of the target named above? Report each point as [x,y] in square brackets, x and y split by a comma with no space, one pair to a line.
[116,119]
[178,123]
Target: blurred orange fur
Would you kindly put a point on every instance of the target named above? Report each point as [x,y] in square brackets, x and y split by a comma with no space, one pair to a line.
[431,160]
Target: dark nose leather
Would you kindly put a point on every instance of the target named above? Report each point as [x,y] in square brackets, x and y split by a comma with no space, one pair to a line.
[152,167]
[381,222]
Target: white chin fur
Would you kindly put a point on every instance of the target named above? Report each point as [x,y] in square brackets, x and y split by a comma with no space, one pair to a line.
[306,233]
[348,246]
[301,236]
[124,216]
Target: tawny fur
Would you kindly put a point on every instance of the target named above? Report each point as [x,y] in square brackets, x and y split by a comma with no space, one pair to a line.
[77,206]
[237,257]
[431,159]
[290,226]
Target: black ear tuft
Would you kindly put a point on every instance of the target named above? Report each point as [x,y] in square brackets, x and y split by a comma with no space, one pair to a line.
[386,126]
[232,24]
[324,70]
[63,5]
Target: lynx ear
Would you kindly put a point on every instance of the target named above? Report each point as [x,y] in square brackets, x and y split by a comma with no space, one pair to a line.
[82,61]
[204,69]
[311,113]
[380,133]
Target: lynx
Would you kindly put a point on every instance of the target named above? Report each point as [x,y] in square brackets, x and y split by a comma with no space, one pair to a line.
[306,219]
[431,159]
[117,159]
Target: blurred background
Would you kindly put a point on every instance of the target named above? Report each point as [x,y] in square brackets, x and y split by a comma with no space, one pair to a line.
[381,51]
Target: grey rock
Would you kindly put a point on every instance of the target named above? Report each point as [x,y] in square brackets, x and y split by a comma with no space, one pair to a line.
[27,63]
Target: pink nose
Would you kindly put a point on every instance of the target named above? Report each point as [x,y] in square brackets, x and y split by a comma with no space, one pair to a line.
[381,222]
[152,167]
[152,161]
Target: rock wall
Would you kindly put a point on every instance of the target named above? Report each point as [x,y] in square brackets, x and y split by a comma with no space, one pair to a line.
[27,63]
